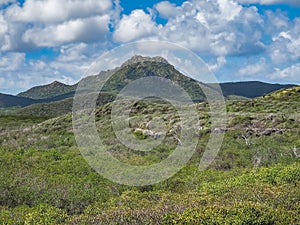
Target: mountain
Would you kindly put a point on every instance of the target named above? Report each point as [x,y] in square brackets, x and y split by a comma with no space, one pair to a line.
[142,67]
[48,91]
[139,66]
[14,101]
[134,68]
[60,95]
[251,89]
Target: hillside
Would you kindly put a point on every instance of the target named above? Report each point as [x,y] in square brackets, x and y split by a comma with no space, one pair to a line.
[254,179]
[251,89]
[48,91]
[131,72]
[59,108]
[287,95]
[14,101]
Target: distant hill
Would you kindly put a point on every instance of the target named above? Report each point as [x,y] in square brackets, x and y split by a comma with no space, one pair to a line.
[251,89]
[48,91]
[14,101]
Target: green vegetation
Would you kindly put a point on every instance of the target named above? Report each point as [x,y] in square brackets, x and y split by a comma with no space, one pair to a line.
[48,91]
[254,180]
[251,89]
[9,101]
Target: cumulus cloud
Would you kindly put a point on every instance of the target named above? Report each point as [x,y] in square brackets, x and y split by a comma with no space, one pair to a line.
[286,44]
[255,70]
[221,61]
[79,30]
[5,2]
[166,9]
[3,26]
[74,59]
[55,11]
[51,23]
[270,2]
[220,27]
[11,61]
[289,74]
[18,75]
[136,25]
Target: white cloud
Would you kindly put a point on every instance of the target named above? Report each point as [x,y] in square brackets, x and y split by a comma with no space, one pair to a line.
[79,30]
[289,74]
[74,59]
[271,2]
[276,22]
[57,11]
[255,70]
[4,2]
[11,62]
[3,26]
[19,74]
[286,44]
[229,9]
[221,61]
[12,39]
[73,52]
[137,25]
[51,23]
[220,27]
[166,9]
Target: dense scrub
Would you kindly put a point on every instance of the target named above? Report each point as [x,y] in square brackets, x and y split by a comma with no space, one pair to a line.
[254,180]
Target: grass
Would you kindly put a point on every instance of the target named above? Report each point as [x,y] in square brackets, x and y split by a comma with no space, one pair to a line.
[254,179]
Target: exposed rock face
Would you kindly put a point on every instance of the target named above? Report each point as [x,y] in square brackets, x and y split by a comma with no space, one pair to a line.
[150,133]
[139,58]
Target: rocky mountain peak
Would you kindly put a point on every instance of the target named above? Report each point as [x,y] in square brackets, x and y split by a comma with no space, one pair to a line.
[56,83]
[139,58]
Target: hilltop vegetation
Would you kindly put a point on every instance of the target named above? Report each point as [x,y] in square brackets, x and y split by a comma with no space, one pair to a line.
[254,180]
[48,91]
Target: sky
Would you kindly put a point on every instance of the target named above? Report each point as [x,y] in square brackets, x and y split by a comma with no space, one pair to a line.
[46,40]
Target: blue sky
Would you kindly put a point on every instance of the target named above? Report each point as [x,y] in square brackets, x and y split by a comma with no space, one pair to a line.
[46,40]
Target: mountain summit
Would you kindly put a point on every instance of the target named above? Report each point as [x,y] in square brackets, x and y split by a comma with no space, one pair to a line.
[141,59]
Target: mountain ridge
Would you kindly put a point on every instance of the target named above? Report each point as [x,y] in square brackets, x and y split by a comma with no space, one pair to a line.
[251,89]
[136,67]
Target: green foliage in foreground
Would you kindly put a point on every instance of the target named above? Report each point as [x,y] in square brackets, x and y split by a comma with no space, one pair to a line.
[58,187]
[254,180]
